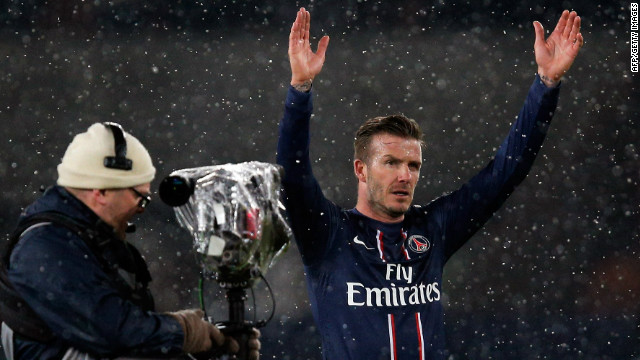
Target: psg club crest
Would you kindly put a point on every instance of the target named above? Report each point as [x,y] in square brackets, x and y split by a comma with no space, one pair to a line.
[418,243]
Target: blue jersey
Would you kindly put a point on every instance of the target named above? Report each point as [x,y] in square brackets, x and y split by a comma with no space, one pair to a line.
[376,288]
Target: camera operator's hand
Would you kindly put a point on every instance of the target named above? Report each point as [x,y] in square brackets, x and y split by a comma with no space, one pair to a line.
[253,345]
[200,335]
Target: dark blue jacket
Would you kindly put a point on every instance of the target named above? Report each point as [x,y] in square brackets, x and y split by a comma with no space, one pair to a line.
[63,281]
[376,288]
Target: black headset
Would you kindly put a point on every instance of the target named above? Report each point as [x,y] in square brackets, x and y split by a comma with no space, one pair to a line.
[119,161]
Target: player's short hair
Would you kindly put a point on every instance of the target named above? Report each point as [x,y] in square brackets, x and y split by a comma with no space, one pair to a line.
[398,125]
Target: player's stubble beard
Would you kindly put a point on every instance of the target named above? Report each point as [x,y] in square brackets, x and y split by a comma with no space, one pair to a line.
[377,194]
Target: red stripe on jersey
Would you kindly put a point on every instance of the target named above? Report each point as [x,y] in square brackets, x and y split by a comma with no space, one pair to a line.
[380,245]
[420,336]
[406,253]
[404,250]
[392,337]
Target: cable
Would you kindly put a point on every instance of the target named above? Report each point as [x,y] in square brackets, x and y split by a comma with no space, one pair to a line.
[201,296]
[201,292]
[263,323]
[258,324]
[255,309]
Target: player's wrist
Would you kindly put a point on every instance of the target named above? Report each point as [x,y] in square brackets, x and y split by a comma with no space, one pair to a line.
[302,86]
[548,80]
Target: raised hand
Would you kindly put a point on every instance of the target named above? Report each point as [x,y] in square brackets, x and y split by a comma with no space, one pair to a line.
[556,54]
[305,64]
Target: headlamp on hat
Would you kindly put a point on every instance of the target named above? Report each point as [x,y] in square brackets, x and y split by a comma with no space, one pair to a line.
[119,161]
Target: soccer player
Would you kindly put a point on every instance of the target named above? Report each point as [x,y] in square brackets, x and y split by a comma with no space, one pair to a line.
[374,272]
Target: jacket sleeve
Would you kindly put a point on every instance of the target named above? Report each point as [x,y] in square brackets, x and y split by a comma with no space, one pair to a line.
[59,277]
[313,218]
[464,211]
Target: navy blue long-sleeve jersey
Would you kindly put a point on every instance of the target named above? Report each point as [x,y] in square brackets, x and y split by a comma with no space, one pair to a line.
[376,288]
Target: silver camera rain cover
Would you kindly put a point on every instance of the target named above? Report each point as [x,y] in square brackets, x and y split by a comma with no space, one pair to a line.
[234,216]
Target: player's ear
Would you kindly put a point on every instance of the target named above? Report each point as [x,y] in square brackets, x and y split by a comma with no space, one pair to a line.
[360,169]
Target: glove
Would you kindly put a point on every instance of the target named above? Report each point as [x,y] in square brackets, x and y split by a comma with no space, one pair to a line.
[199,335]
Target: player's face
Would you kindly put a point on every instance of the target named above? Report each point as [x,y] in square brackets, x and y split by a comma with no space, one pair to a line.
[392,173]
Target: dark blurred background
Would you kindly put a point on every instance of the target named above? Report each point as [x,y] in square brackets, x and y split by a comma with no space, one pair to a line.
[554,275]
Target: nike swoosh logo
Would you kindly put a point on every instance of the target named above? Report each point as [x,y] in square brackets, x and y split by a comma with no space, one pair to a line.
[359,242]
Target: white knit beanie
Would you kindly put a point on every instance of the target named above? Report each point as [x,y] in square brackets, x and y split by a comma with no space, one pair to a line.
[83,164]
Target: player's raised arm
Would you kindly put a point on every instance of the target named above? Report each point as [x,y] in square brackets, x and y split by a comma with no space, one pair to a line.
[556,54]
[305,64]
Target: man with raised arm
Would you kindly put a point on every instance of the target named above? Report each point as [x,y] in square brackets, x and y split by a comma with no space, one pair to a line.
[374,272]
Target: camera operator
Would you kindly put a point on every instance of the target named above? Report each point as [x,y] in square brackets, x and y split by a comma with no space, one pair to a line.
[72,287]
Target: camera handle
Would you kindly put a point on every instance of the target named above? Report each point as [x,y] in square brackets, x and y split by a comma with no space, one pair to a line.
[236,326]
